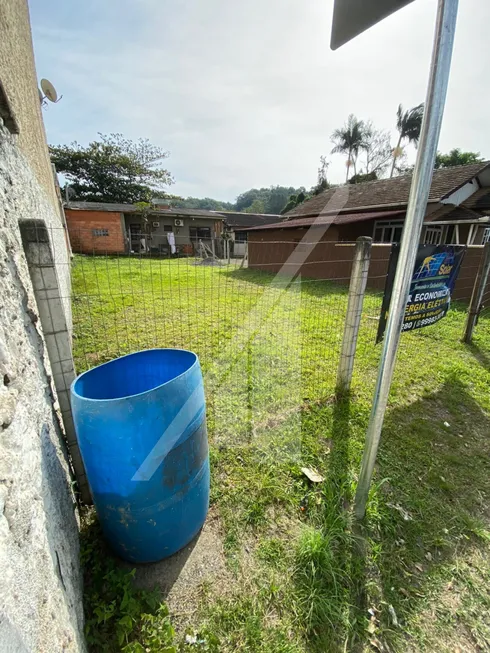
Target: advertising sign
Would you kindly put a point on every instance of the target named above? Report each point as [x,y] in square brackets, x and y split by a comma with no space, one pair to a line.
[435,273]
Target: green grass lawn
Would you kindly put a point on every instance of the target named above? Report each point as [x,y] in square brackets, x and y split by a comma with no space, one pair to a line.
[415,575]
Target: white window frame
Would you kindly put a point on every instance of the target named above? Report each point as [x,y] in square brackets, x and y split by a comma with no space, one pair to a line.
[455,236]
[433,235]
[472,234]
[486,236]
[386,226]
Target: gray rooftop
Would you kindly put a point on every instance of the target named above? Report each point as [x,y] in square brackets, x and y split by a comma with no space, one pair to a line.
[131,208]
[239,220]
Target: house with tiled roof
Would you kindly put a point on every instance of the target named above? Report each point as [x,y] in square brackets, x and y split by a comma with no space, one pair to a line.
[458,210]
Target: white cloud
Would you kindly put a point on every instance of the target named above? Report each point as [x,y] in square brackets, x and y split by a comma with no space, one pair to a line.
[247,94]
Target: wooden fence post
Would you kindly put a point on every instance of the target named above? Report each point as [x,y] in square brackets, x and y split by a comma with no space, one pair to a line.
[357,287]
[477,294]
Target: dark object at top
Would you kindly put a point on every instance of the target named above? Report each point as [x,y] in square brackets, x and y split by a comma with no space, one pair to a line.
[352,17]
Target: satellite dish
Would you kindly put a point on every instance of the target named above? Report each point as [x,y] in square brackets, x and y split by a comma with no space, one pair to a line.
[49,90]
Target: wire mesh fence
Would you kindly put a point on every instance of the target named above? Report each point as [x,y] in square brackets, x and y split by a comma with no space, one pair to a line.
[267,342]
[267,329]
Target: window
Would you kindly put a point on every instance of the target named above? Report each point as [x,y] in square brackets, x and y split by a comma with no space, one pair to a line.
[486,235]
[167,227]
[433,235]
[100,232]
[241,236]
[197,233]
[389,231]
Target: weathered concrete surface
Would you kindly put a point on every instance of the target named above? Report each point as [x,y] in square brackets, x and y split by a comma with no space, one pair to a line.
[183,577]
[19,79]
[40,580]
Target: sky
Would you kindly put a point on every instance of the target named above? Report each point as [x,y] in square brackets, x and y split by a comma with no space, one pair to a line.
[247,94]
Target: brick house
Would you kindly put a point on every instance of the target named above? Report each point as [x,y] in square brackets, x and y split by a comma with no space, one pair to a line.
[107,228]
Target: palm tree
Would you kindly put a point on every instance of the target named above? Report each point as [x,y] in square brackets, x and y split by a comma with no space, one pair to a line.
[349,139]
[409,124]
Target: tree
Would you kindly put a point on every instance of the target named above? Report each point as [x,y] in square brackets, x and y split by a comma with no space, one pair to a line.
[457,158]
[273,199]
[361,178]
[113,169]
[257,206]
[295,200]
[377,151]
[205,203]
[245,199]
[322,181]
[349,140]
[408,124]
[276,198]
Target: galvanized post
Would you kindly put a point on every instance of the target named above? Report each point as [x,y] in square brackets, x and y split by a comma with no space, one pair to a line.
[477,294]
[357,287]
[419,193]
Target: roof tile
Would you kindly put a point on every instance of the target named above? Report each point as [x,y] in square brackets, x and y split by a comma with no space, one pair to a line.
[390,192]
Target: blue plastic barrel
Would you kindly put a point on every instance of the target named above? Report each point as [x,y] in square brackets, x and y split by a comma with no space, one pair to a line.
[141,426]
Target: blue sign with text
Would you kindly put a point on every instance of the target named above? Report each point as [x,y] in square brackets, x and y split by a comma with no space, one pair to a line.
[435,273]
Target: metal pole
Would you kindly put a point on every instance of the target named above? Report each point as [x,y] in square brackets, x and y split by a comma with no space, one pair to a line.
[357,287]
[477,294]
[419,193]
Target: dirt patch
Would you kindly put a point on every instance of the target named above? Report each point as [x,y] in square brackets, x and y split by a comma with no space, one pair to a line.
[185,576]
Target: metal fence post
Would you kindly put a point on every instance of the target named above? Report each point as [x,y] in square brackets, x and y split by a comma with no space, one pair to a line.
[357,287]
[477,294]
[417,203]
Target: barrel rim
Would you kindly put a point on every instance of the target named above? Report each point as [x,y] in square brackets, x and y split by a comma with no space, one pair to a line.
[138,394]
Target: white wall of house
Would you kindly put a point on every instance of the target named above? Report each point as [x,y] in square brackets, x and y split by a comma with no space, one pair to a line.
[463,193]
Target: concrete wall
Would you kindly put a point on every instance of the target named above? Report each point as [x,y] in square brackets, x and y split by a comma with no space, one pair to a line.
[84,228]
[19,79]
[40,583]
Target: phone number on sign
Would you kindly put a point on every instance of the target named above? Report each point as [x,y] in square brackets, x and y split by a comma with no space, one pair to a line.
[416,324]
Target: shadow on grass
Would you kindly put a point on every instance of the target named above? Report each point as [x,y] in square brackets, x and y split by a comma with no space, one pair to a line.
[427,519]
[331,560]
[430,514]
[314,287]
[481,356]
